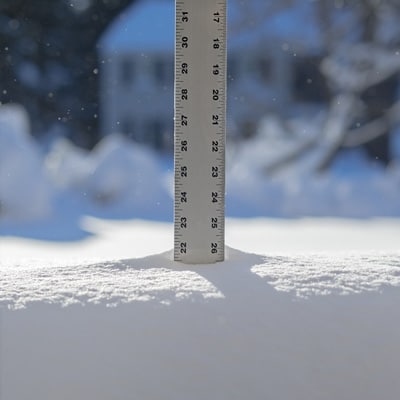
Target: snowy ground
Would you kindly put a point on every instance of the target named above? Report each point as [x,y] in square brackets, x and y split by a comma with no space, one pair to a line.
[304,309]
[93,307]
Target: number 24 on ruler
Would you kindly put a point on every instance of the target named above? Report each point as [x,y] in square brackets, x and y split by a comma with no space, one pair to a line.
[200,104]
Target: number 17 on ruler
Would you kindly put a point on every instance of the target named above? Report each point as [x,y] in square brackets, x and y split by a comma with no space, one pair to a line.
[200,115]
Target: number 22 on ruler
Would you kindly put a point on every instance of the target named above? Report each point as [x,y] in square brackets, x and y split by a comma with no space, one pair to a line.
[200,104]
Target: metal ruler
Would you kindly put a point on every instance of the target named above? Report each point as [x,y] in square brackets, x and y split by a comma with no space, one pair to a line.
[200,114]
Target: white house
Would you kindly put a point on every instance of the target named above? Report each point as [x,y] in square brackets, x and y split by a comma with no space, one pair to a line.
[137,70]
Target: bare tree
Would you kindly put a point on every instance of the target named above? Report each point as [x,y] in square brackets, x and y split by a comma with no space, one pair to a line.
[364,63]
[360,61]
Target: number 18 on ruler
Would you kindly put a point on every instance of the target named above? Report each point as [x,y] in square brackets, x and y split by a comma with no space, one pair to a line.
[200,113]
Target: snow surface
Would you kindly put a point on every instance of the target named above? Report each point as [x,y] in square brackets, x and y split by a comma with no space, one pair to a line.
[120,264]
[93,307]
[146,25]
[306,309]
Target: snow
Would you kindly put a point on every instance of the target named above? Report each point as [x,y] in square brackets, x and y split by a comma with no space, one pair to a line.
[121,179]
[157,279]
[260,25]
[25,192]
[353,187]
[148,26]
[117,173]
[305,316]
[93,306]
[124,262]
[358,67]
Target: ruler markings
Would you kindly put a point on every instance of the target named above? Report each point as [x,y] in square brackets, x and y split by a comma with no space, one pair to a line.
[200,76]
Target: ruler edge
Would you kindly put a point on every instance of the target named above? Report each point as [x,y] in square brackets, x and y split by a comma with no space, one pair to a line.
[177,257]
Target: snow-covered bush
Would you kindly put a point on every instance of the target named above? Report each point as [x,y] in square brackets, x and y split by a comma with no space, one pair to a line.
[68,165]
[121,168]
[117,174]
[258,183]
[25,192]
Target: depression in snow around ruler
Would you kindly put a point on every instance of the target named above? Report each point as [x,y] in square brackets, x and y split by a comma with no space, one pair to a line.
[200,115]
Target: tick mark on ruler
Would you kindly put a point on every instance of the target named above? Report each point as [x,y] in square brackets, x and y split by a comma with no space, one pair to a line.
[199,193]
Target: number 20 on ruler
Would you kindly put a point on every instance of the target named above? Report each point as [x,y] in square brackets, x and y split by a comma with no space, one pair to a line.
[200,104]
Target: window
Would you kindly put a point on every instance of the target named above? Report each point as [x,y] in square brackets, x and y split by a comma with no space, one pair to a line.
[232,68]
[154,134]
[264,69]
[163,70]
[159,134]
[128,127]
[126,71]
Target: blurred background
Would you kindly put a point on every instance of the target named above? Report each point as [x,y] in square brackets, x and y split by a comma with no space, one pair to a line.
[86,112]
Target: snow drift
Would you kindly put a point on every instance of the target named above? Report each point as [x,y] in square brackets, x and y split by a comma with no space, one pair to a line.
[118,176]
[281,327]
[25,192]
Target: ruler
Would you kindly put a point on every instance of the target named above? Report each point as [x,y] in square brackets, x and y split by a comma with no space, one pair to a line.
[200,114]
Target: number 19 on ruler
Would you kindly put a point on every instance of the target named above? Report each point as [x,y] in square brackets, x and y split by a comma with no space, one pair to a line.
[200,114]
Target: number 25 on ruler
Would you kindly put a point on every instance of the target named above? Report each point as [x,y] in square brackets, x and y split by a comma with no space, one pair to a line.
[200,98]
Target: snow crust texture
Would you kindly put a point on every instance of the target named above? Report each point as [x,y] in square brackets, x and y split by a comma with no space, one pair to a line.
[158,279]
[242,329]
[316,274]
